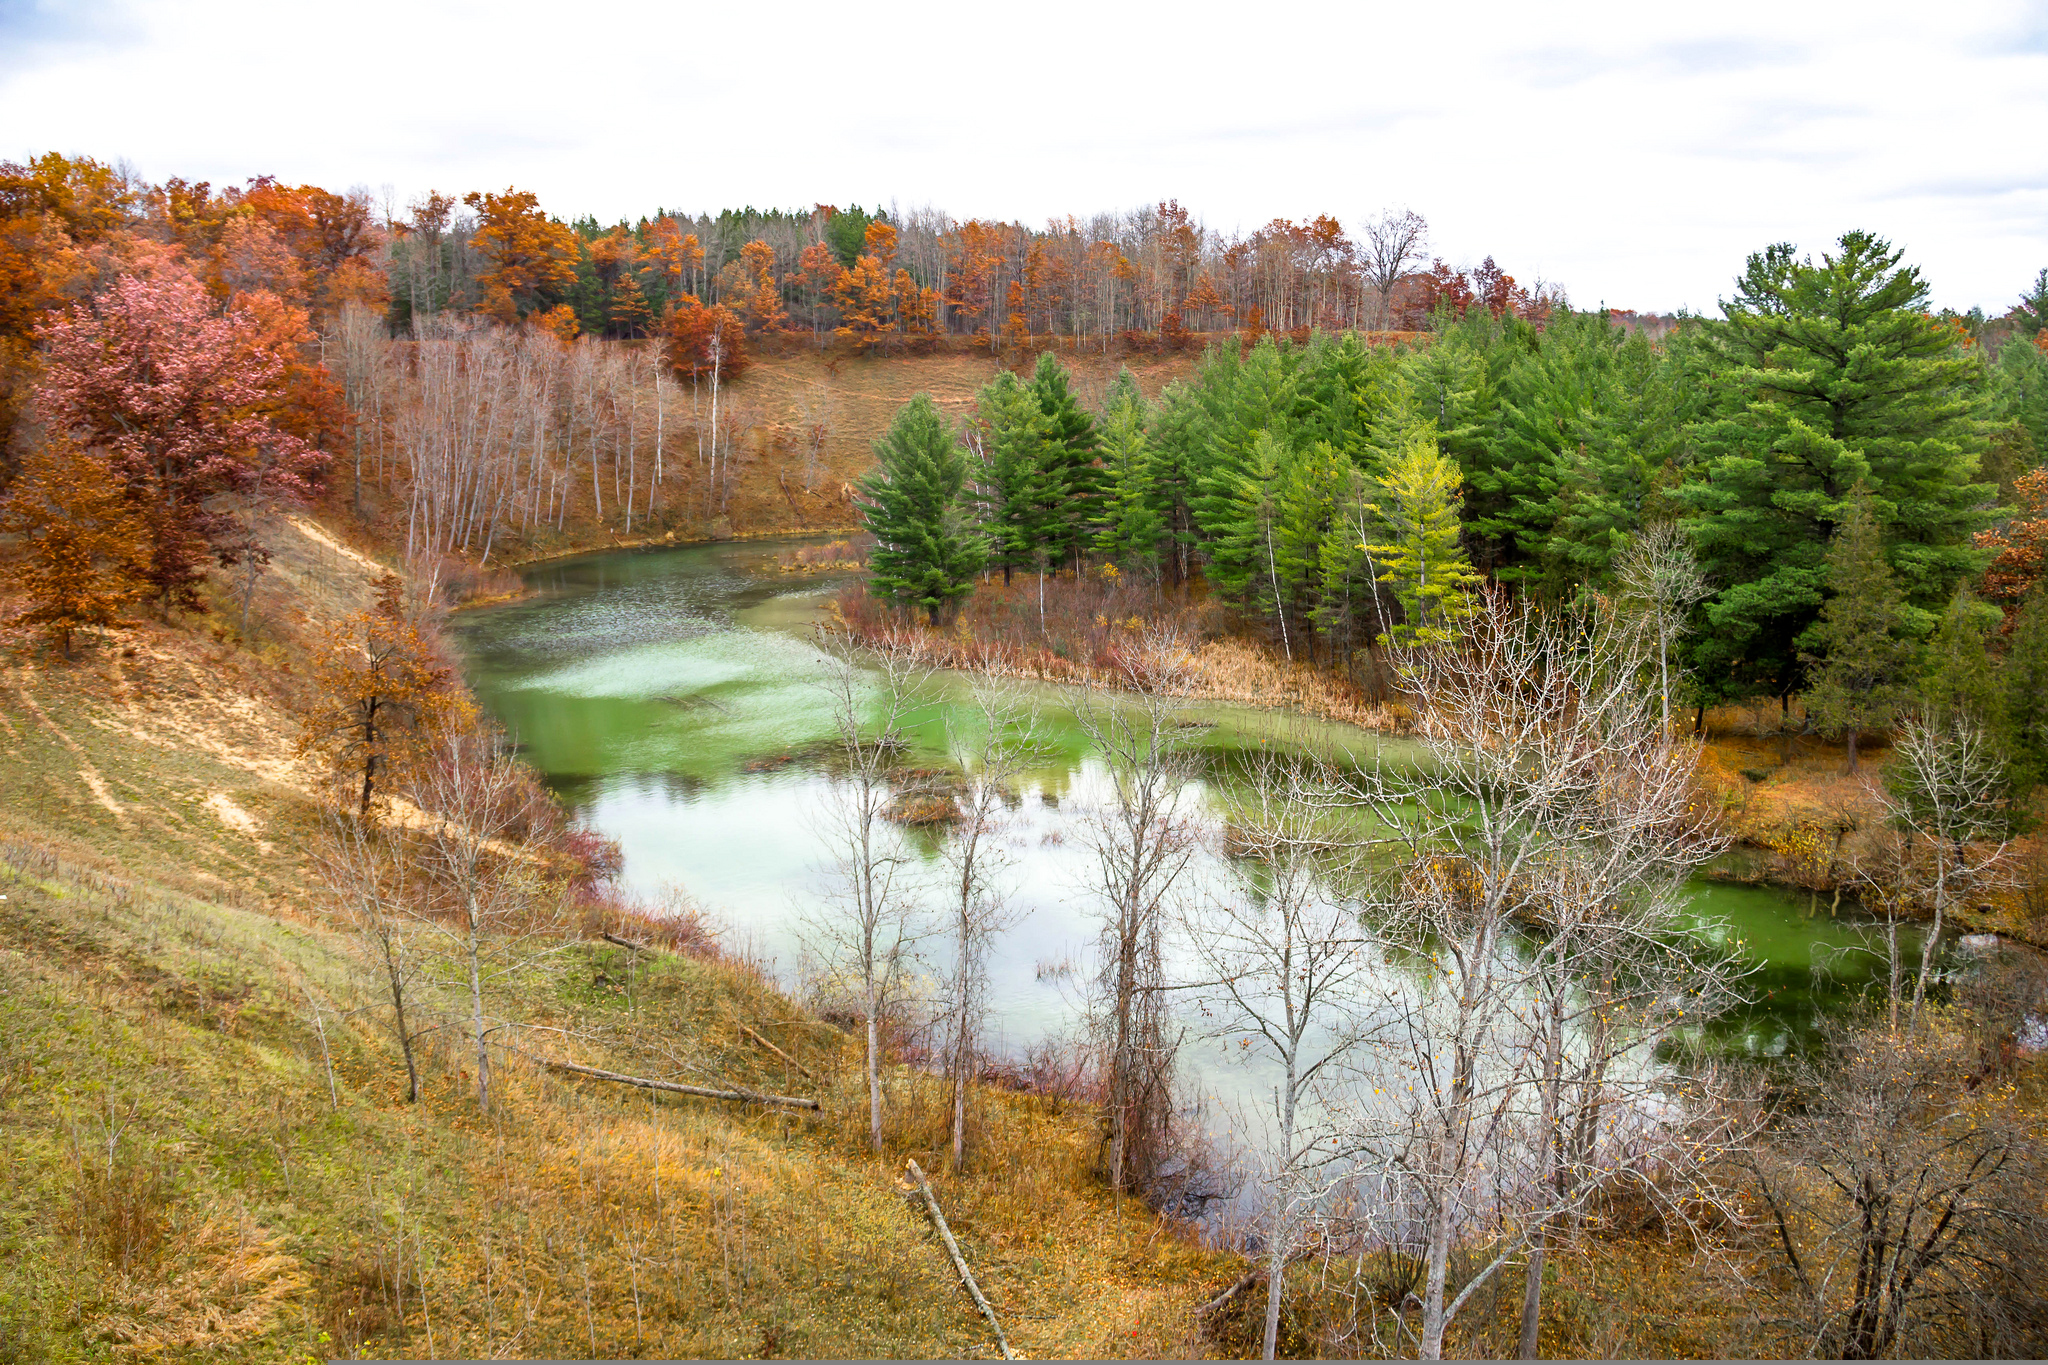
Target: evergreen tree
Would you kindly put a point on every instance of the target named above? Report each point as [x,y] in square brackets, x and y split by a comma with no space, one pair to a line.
[926,554]
[1176,454]
[1132,528]
[1007,479]
[1308,512]
[1237,399]
[1611,469]
[79,545]
[1960,677]
[1551,403]
[1861,659]
[1829,375]
[1236,402]
[1417,553]
[1069,483]
[1240,526]
[2019,408]
[1340,383]
[2026,690]
[1348,593]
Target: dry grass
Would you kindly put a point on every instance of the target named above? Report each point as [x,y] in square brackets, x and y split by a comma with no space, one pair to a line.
[165,963]
[1104,630]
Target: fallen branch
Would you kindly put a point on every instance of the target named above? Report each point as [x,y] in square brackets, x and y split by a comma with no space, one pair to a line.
[778,1052]
[675,1088]
[610,937]
[1246,1281]
[931,1203]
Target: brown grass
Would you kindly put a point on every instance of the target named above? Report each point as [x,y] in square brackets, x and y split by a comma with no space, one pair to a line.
[164,967]
[1105,630]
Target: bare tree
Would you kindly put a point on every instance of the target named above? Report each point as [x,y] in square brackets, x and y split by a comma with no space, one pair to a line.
[873,933]
[1002,741]
[1282,957]
[1949,802]
[1142,840]
[1661,582]
[814,416]
[486,898]
[360,347]
[1904,1200]
[365,872]
[1393,242]
[1547,798]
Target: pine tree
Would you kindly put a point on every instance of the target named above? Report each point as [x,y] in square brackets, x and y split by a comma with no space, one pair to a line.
[1307,513]
[1417,553]
[2026,689]
[1132,528]
[80,547]
[1235,400]
[1239,523]
[1828,376]
[1347,591]
[2019,398]
[926,554]
[1961,678]
[1007,481]
[1611,482]
[1860,659]
[1069,483]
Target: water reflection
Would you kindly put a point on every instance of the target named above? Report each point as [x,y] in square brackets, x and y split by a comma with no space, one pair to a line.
[671,699]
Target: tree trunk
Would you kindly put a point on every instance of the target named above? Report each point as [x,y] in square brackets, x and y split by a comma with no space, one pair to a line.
[1276,1234]
[412,1070]
[1549,1175]
[874,1078]
[476,1018]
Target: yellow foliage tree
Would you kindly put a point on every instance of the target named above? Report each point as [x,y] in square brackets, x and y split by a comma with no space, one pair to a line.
[79,545]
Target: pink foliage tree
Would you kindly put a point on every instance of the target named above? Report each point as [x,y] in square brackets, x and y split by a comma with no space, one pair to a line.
[173,392]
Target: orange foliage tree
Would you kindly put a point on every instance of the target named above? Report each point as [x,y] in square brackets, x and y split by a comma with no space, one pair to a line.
[382,695]
[758,295]
[817,272]
[865,294]
[78,544]
[2021,545]
[696,338]
[53,211]
[532,257]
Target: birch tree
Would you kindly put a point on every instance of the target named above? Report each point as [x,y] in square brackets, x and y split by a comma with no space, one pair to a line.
[1661,581]
[1546,805]
[486,901]
[870,935]
[365,873]
[1281,957]
[1949,802]
[1142,840]
[1003,740]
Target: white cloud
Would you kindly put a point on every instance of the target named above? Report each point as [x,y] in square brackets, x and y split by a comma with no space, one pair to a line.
[1633,154]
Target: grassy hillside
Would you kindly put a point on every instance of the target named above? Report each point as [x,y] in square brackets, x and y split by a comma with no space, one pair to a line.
[209,1155]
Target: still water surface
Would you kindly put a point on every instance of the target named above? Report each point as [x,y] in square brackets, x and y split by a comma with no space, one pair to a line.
[671,699]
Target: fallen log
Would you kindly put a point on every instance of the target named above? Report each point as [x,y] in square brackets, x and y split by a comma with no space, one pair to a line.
[778,1052]
[677,1088]
[610,937]
[931,1204]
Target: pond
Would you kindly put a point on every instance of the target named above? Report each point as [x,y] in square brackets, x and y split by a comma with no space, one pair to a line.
[671,699]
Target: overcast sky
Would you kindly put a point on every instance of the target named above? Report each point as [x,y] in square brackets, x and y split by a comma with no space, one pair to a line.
[1632,153]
